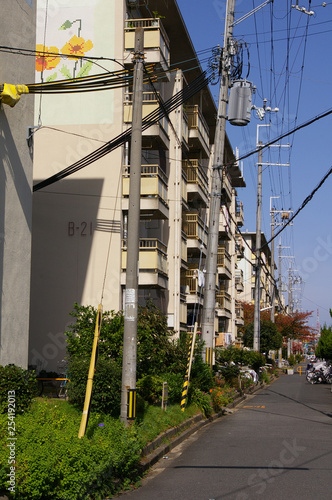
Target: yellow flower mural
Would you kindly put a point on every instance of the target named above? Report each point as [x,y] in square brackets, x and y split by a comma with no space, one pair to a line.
[77,46]
[46,57]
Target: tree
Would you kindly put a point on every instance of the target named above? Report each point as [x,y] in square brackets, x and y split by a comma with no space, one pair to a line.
[270,338]
[324,347]
[293,326]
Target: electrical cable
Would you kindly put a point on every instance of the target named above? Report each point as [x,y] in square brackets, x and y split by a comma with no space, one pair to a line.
[304,203]
[198,84]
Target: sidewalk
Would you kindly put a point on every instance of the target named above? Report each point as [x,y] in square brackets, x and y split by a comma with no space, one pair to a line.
[164,443]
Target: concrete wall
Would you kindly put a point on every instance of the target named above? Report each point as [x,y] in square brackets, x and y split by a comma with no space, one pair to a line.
[77,221]
[17,30]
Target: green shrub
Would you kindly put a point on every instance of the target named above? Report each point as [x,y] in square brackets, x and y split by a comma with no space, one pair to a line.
[175,383]
[291,360]
[150,388]
[201,374]
[202,400]
[23,382]
[53,464]
[157,352]
[106,392]
[230,372]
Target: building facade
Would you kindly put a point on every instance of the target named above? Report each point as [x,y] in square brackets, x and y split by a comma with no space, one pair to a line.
[247,269]
[16,184]
[81,222]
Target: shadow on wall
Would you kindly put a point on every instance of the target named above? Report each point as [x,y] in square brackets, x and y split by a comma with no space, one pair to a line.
[15,232]
[64,225]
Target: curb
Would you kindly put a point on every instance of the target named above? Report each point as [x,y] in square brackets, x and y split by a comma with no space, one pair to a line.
[155,450]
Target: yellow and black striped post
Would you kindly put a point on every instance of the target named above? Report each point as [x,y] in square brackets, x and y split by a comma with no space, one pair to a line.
[131,414]
[187,376]
[209,354]
[92,367]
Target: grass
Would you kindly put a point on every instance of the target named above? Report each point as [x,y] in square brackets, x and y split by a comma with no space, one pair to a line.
[156,420]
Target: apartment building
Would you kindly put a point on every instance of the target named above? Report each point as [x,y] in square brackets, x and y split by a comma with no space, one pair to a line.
[81,222]
[246,266]
[16,183]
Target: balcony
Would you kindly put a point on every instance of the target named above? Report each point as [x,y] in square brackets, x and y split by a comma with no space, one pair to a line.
[183,310]
[198,183]
[153,191]
[236,174]
[239,217]
[226,184]
[157,131]
[198,130]
[223,304]
[156,43]
[183,247]
[239,313]
[224,263]
[196,232]
[194,285]
[224,220]
[239,280]
[185,130]
[239,246]
[184,189]
[152,263]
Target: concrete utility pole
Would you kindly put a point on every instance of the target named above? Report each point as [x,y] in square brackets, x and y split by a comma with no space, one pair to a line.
[272,269]
[257,322]
[131,292]
[208,314]
[272,213]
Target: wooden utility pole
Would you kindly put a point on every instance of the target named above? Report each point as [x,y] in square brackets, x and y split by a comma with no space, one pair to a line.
[131,291]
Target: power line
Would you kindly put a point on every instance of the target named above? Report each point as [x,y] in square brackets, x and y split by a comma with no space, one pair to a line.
[190,90]
[305,202]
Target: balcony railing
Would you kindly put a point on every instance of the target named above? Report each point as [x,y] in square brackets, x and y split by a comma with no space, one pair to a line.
[185,130]
[223,257]
[184,183]
[239,280]
[239,310]
[152,255]
[223,300]
[154,182]
[156,42]
[196,175]
[196,121]
[183,246]
[239,213]
[226,180]
[193,283]
[150,103]
[239,245]
[194,227]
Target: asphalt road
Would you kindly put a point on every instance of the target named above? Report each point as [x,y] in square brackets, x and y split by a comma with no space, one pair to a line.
[275,445]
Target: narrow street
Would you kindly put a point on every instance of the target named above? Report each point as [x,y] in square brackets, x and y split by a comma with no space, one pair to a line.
[277,444]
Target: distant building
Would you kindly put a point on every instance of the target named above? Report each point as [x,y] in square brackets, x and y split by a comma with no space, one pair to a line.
[247,266]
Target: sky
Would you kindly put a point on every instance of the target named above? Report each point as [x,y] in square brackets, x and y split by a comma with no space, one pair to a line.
[288,56]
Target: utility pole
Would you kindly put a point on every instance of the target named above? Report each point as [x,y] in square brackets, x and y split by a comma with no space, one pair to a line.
[131,292]
[257,322]
[273,285]
[208,314]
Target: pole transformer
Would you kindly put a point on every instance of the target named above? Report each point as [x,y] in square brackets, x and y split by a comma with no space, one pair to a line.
[131,291]
[208,313]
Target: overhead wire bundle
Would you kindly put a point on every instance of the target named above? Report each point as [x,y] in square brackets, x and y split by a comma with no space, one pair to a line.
[168,106]
[102,81]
